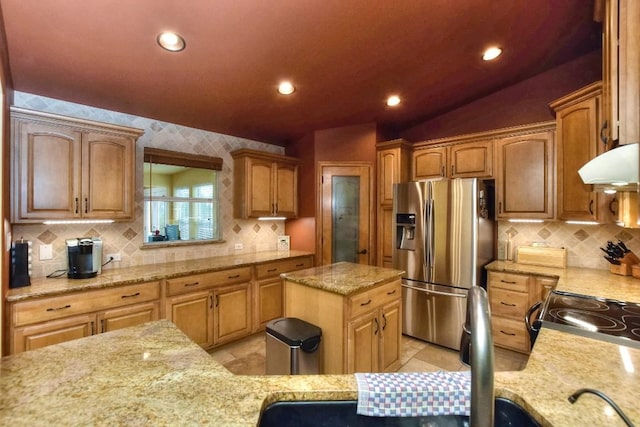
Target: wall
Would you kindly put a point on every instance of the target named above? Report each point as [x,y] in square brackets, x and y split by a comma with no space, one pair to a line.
[127,237]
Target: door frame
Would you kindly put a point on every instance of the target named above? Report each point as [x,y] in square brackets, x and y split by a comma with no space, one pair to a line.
[371,211]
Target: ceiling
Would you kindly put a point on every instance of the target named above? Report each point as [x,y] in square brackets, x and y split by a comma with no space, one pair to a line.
[344,56]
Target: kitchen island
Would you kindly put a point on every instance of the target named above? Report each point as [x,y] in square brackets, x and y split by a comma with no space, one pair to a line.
[153,375]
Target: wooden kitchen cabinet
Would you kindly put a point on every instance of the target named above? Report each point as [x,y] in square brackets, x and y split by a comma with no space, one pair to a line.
[360,332]
[232,313]
[40,322]
[70,168]
[265,184]
[459,160]
[269,288]
[192,313]
[578,125]
[393,159]
[525,176]
[510,296]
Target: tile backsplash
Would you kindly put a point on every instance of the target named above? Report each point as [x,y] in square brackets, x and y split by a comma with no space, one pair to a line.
[126,237]
[582,242]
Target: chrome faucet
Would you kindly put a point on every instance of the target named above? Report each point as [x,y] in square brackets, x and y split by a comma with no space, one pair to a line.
[574,397]
[479,349]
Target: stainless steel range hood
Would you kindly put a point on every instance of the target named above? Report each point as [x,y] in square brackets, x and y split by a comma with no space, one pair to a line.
[617,169]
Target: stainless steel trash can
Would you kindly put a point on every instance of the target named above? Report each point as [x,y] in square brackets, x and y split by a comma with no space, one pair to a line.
[292,347]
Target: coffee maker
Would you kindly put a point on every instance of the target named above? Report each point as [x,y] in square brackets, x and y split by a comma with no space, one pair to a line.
[85,257]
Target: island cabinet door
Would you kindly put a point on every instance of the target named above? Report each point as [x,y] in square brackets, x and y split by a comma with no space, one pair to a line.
[362,343]
[41,335]
[192,313]
[391,337]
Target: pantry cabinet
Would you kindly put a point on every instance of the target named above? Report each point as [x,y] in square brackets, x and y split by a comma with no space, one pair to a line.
[51,320]
[578,126]
[456,160]
[360,332]
[265,184]
[510,296]
[526,176]
[68,168]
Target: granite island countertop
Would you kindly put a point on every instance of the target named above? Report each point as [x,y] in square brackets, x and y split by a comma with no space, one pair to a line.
[144,273]
[153,375]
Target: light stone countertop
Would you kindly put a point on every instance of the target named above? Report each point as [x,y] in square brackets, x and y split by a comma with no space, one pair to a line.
[144,273]
[153,375]
[342,278]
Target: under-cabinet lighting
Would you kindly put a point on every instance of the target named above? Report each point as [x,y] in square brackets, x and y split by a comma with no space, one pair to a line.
[272,218]
[78,221]
[583,222]
[526,220]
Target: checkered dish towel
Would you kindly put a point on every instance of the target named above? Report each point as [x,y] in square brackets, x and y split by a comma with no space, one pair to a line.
[414,394]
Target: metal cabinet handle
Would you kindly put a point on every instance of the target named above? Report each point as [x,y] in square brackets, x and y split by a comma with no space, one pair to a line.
[102,326]
[365,303]
[191,284]
[93,331]
[603,135]
[451,170]
[210,301]
[233,277]
[76,205]
[86,205]
[442,173]
[614,200]
[392,292]
[59,308]
[500,207]
[363,252]
[506,281]
[217,300]
[131,296]
[384,325]
[299,265]
[375,319]
[507,304]
[271,270]
[507,333]
[591,206]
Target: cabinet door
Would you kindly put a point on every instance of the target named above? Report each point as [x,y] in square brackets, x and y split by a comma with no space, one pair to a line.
[260,197]
[429,163]
[391,337]
[471,160]
[108,176]
[232,317]
[193,314]
[525,176]
[269,299]
[46,182]
[124,317]
[286,191]
[58,331]
[386,236]
[362,344]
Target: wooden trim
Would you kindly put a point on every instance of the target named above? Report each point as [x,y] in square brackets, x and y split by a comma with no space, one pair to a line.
[577,96]
[491,134]
[244,152]
[395,143]
[174,158]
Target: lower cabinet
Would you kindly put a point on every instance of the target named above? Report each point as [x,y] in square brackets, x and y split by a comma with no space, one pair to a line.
[46,321]
[360,333]
[192,313]
[510,296]
[232,313]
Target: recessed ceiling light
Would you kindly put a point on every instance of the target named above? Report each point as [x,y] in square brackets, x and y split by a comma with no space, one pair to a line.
[393,100]
[491,53]
[286,88]
[171,41]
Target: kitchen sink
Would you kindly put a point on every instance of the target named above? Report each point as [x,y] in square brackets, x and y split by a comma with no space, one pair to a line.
[343,413]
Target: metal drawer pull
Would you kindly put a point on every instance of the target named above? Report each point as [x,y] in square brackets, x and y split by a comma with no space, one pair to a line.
[300,265]
[365,303]
[191,284]
[233,277]
[131,296]
[59,308]
[271,270]
[392,292]
[506,281]
[507,304]
[507,333]
[377,326]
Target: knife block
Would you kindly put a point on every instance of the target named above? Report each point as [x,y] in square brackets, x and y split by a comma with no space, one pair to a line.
[626,264]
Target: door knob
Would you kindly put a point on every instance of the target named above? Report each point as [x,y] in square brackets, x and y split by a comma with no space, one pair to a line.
[363,252]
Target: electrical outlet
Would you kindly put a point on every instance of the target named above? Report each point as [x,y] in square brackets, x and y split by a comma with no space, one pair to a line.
[116,257]
[238,246]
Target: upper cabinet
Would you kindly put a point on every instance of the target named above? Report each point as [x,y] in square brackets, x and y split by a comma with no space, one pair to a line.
[69,168]
[464,160]
[621,71]
[265,185]
[578,127]
[525,178]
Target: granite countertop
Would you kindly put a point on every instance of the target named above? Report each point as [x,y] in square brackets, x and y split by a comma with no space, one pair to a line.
[343,278]
[153,375]
[125,276]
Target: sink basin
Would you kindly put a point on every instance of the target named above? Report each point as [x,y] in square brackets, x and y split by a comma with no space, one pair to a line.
[343,413]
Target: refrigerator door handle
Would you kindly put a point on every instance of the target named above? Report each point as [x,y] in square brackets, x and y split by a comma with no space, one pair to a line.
[432,292]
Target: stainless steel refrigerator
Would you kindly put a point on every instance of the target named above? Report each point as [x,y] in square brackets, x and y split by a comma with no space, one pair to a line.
[443,235]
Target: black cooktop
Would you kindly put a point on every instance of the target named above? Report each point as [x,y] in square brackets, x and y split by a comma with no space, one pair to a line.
[609,320]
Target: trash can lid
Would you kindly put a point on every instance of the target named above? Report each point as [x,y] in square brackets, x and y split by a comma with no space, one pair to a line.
[294,332]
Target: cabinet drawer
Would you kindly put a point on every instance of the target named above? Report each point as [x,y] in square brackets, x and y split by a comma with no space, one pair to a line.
[514,282]
[510,333]
[508,303]
[367,300]
[273,269]
[46,309]
[197,282]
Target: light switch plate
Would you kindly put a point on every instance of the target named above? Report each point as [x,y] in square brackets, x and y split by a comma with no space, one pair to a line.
[283,243]
[46,252]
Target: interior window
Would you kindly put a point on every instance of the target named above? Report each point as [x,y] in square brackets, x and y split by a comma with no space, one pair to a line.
[180,197]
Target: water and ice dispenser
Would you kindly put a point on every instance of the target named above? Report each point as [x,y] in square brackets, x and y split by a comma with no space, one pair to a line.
[406,231]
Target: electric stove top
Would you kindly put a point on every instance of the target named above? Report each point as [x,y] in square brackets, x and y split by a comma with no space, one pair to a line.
[604,319]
